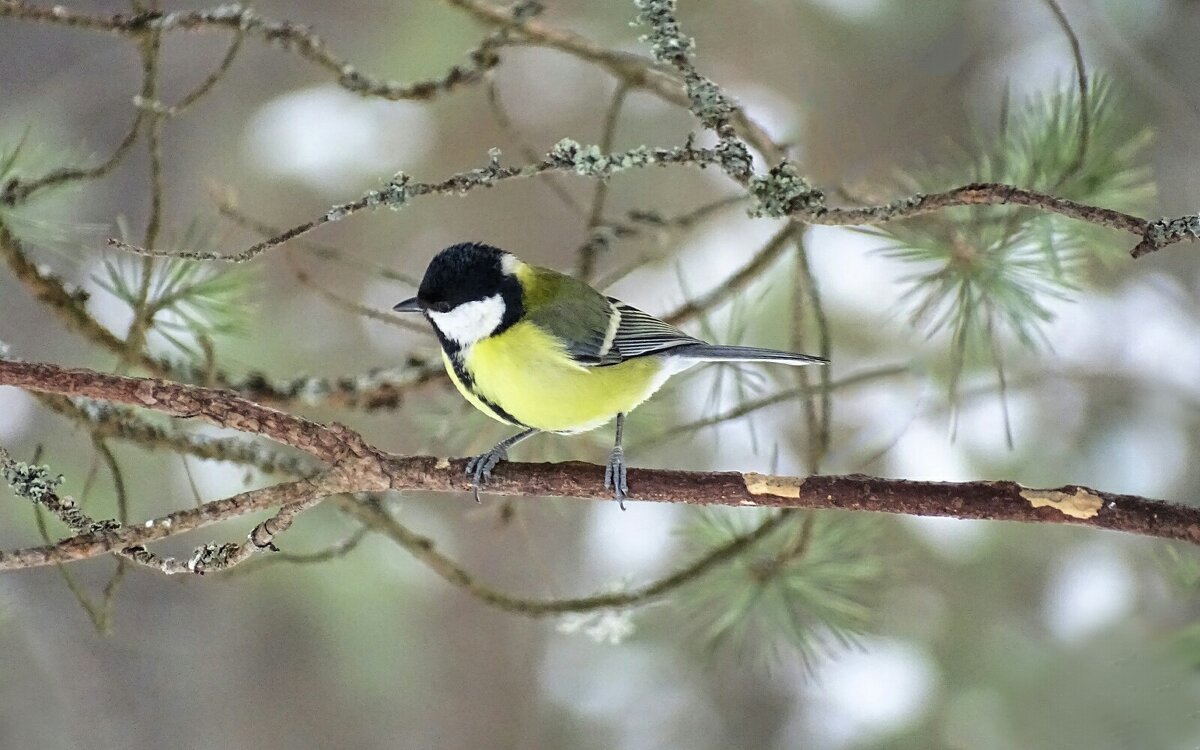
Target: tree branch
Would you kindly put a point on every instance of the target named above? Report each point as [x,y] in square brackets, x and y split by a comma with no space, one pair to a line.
[283,34]
[359,467]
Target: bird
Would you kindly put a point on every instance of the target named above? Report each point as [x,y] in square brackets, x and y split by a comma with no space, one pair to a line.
[543,351]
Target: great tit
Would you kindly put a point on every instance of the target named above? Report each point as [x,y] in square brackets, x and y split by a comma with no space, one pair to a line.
[545,352]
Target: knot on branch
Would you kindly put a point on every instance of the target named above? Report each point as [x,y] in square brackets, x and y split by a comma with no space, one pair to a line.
[783,191]
[1164,232]
[735,159]
[360,462]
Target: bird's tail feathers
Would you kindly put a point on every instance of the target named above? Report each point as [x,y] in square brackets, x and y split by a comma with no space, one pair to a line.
[714,353]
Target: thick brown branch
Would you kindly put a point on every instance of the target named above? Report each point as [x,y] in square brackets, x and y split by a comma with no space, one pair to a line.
[999,501]
[359,467]
[221,408]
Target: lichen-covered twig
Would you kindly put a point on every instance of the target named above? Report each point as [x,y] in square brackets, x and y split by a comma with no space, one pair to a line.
[566,156]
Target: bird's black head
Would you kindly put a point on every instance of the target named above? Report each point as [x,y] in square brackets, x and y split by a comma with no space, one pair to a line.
[466,272]
[470,291]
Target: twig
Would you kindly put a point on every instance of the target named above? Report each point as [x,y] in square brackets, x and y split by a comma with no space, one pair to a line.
[221,408]
[203,88]
[332,552]
[1081,77]
[587,253]
[353,307]
[374,390]
[135,340]
[567,156]
[636,71]
[69,305]
[227,209]
[282,34]
[17,190]
[759,263]
[808,295]
[104,420]
[502,118]
[749,407]
[422,548]
[706,100]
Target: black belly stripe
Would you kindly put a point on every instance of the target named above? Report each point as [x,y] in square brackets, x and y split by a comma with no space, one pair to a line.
[468,382]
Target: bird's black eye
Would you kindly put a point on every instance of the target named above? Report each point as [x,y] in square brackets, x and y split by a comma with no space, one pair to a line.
[441,307]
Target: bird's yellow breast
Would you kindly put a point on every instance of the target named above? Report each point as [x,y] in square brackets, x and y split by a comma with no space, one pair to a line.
[525,372]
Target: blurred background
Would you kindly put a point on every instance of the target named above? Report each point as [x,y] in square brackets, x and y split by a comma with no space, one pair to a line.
[958,634]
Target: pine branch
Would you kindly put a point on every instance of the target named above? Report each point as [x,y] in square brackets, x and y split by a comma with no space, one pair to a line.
[375,390]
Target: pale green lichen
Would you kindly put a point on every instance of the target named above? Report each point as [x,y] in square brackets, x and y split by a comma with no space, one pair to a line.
[671,46]
[395,193]
[211,557]
[31,481]
[783,191]
[1169,231]
[666,40]
[590,161]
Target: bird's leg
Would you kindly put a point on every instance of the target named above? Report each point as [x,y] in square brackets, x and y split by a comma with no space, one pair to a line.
[480,467]
[614,472]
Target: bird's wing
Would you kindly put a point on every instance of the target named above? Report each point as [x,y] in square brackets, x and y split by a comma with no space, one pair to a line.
[595,330]
[639,333]
[574,313]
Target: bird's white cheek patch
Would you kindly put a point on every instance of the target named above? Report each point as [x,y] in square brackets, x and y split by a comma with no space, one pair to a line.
[470,321]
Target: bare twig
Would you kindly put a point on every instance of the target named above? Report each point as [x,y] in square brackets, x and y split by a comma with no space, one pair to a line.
[227,208]
[1081,78]
[505,121]
[587,253]
[18,190]
[373,514]
[353,307]
[204,87]
[749,407]
[635,71]
[759,263]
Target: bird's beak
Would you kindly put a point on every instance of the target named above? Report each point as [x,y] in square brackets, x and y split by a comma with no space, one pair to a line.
[408,305]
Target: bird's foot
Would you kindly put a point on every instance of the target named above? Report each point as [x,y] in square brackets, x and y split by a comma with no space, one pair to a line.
[480,467]
[615,476]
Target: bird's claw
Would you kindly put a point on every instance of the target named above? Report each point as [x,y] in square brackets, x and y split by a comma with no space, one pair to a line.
[615,476]
[480,468]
